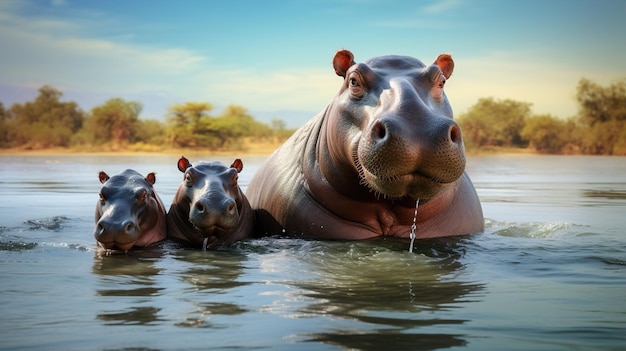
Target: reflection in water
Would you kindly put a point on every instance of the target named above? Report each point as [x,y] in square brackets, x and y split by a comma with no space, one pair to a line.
[380,295]
[610,194]
[209,277]
[127,283]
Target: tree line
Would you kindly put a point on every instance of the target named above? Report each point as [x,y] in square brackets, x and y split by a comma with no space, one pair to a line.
[115,125]
[599,128]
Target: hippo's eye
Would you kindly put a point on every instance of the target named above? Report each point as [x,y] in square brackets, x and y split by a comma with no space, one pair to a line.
[188,179]
[141,197]
[437,90]
[102,199]
[356,87]
[234,180]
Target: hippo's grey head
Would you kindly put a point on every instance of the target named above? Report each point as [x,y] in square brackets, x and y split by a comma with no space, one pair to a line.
[212,195]
[392,121]
[129,212]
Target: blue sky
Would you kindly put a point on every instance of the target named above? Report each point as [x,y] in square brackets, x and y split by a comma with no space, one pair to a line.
[274,57]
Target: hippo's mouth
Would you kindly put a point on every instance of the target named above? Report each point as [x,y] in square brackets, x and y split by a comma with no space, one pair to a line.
[416,184]
[217,230]
[112,245]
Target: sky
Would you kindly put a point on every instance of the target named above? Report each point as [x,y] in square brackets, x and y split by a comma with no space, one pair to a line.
[275,57]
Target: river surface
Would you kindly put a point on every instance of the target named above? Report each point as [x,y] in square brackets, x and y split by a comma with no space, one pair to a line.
[548,273]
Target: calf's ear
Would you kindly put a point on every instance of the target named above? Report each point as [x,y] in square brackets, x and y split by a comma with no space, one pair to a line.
[151,178]
[237,164]
[103,177]
[183,164]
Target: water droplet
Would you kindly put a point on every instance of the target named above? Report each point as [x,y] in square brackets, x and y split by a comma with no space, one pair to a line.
[414,226]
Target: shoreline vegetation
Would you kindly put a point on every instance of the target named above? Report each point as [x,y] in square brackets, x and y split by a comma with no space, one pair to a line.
[245,149]
[491,126]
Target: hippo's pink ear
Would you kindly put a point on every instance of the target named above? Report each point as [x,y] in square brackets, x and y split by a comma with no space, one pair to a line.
[151,178]
[238,165]
[445,62]
[342,61]
[183,164]
[103,177]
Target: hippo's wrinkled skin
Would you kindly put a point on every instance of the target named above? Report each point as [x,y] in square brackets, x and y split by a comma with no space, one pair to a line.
[356,170]
[209,207]
[129,212]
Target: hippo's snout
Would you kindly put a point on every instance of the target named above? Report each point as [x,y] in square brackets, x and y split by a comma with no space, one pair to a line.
[116,234]
[212,213]
[395,147]
[400,156]
[228,207]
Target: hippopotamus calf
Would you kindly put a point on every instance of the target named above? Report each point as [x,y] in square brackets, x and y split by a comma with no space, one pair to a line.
[129,212]
[356,170]
[209,208]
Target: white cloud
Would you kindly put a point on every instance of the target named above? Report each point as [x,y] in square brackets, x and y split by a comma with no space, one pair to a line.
[44,51]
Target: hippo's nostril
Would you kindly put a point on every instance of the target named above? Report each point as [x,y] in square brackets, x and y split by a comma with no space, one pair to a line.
[129,227]
[199,207]
[455,134]
[231,207]
[379,131]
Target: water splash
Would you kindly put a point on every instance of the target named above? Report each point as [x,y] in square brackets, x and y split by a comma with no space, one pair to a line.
[54,223]
[413,226]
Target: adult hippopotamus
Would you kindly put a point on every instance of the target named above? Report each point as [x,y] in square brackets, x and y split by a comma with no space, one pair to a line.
[209,207]
[129,212]
[357,169]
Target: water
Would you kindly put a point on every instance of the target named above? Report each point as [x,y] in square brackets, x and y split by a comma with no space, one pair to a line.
[548,273]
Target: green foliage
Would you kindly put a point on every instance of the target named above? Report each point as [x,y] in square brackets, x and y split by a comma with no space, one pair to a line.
[602,118]
[279,129]
[495,122]
[4,125]
[116,122]
[188,124]
[150,131]
[599,104]
[546,134]
[603,138]
[45,122]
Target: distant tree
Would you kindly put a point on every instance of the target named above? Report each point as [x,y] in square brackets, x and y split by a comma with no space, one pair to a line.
[116,121]
[604,138]
[546,134]
[602,118]
[599,104]
[44,122]
[4,127]
[187,123]
[279,129]
[492,122]
[151,131]
[278,124]
[234,123]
